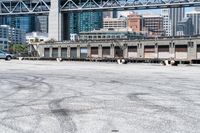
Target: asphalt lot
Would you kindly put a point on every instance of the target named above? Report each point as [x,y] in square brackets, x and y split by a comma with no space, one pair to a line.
[83,97]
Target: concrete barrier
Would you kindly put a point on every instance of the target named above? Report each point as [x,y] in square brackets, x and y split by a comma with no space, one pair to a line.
[20,58]
[169,63]
[121,61]
[58,59]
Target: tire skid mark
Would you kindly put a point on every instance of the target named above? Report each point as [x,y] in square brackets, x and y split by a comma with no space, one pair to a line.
[12,127]
[159,108]
[33,85]
[66,123]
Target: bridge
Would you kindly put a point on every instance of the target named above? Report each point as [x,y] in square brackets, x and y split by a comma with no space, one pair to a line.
[56,8]
[15,7]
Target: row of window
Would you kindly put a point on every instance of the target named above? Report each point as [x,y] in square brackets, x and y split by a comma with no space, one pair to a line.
[104,37]
[3,42]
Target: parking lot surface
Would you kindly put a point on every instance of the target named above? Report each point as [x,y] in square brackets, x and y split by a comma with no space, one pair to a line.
[84,97]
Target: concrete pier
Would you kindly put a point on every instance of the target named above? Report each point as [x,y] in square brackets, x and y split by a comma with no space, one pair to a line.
[179,49]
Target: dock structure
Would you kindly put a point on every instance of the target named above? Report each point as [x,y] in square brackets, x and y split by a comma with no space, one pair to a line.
[179,49]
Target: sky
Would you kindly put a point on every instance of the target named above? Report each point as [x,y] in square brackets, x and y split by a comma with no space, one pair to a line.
[150,11]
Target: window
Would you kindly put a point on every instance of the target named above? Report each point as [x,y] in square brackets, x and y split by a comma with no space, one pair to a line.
[5,47]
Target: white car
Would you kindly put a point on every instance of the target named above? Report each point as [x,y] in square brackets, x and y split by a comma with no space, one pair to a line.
[5,55]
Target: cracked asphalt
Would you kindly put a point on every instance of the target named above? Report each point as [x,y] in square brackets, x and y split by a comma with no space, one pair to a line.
[84,97]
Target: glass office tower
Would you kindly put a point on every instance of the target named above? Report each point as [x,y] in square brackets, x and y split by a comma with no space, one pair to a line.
[26,23]
[82,22]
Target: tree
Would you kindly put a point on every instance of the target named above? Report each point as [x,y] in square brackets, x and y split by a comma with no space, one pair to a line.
[19,48]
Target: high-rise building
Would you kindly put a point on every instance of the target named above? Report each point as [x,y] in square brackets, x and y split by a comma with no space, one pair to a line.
[10,35]
[1,20]
[73,22]
[176,15]
[195,16]
[134,22]
[89,21]
[41,24]
[25,23]
[184,27]
[82,22]
[166,22]
[153,23]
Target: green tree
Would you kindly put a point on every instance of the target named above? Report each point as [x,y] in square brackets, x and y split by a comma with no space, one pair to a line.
[19,48]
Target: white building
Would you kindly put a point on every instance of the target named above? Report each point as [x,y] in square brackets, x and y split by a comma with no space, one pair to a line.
[115,22]
[74,37]
[9,35]
[35,37]
[166,22]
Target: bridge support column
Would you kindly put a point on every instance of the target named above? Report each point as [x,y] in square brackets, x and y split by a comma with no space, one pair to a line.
[125,51]
[88,50]
[140,49]
[50,51]
[78,51]
[172,49]
[156,50]
[100,51]
[192,50]
[112,51]
[68,51]
[59,51]
[55,21]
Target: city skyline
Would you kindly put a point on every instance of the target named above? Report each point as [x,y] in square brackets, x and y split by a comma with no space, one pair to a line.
[151,11]
[76,23]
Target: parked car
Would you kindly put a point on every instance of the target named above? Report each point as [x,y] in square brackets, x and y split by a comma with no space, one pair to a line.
[6,55]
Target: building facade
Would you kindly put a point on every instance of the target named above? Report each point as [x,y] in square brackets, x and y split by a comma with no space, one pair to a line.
[25,23]
[9,35]
[184,27]
[195,16]
[82,22]
[134,21]
[153,24]
[110,34]
[115,22]
[110,14]
[166,22]
[41,24]
[176,15]
[90,21]
[4,39]
[36,37]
